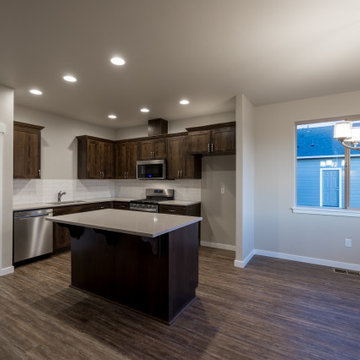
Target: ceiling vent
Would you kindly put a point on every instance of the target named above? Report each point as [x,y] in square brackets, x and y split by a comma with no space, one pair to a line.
[157,127]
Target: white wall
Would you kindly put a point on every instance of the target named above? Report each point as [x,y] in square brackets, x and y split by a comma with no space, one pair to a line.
[6,117]
[177,125]
[218,209]
[58,140]
[245,176]
[277,229]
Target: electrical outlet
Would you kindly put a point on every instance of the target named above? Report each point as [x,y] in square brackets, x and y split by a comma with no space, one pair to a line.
[222,189]
[348,243]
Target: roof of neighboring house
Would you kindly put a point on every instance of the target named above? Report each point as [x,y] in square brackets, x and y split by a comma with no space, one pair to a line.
[318,141]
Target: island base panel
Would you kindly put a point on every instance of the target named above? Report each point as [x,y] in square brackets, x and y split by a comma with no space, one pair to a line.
[157,276]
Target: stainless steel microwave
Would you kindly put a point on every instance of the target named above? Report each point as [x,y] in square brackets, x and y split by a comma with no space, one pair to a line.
[151,169]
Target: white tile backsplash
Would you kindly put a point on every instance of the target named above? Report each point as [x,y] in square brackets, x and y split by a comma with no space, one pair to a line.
[45,190]
[184,189]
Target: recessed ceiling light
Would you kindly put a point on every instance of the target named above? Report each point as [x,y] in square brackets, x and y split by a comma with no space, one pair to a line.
[144,110]
[116,60]
[35,91]
[184,102]
[70,78]
[112,116]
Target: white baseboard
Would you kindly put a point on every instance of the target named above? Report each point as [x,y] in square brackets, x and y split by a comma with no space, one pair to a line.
[309,260]
[6,271]
[218,245]
[242,263]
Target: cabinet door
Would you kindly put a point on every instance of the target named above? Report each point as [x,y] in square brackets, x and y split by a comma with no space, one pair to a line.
[120,160]
[20,154]
[175,157]
[94,159]
[159,149]
[199,141]
[146,149]
[223,140]
[26,153]
[107,157]
[132,154]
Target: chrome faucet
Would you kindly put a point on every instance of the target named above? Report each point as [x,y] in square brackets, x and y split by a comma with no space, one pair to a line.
[60,195]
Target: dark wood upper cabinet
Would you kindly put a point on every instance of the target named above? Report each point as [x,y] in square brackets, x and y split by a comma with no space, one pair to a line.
[214,139]
[180,163]
[152,149]
[95,158]
[27,151]
[125,159]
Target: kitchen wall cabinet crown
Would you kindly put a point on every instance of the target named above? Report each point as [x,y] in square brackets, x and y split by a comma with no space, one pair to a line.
[214,139]
[95,158]
[27,151]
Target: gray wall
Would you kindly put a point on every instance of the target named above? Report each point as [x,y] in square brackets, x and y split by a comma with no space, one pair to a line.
[276,227]
[178,125]
[58,140]
[6,117]
[217,209]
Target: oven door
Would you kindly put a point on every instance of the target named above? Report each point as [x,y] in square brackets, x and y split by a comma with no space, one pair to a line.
[151,170]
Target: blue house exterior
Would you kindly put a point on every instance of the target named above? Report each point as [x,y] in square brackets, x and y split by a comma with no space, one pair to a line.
[320,168]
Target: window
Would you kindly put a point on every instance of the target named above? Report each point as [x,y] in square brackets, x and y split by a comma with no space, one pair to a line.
[323,179]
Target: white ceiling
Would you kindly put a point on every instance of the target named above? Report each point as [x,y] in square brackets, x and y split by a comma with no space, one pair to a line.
[204,50]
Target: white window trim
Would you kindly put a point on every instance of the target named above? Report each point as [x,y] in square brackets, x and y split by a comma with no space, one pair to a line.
[325,211]
[340,185]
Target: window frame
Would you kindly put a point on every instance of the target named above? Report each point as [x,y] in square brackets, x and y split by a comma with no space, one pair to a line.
[347,166]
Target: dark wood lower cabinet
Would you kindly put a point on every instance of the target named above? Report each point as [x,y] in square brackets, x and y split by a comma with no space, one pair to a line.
[157,276]
[61,235]
[121,205]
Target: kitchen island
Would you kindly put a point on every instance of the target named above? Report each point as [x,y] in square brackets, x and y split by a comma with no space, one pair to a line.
[145,261]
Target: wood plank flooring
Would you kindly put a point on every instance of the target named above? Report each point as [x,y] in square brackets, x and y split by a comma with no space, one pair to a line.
[273,309]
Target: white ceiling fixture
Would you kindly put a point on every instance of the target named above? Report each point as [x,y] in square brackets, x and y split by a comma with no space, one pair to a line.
[184,102]
[144,110]
[35,91]
[118,61]
[112,116]
[347,135]
[70,78]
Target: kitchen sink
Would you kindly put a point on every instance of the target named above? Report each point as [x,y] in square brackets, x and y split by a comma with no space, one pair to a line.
[65,202]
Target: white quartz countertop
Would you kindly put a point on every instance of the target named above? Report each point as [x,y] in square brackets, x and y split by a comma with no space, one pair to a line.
[48,205]
[128,222]
[179,202]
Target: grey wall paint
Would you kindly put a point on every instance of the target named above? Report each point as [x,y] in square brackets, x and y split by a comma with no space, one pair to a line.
[218,210]
[6,117]
[58,141]
[178,125]
[245,175]
[276,227]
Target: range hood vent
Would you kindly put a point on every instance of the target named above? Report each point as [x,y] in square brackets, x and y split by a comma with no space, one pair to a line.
[157,127]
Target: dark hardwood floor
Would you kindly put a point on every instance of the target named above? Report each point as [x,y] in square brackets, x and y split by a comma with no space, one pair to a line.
[273,309]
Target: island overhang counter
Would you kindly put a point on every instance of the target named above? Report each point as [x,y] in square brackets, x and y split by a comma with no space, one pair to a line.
[145,261]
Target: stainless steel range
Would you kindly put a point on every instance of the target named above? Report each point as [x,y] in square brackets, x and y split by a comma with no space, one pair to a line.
[153,198]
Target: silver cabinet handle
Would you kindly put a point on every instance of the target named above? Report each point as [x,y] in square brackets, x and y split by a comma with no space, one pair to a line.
[208,147]
[39,172]
[178,173]
[171,211]
[212,147]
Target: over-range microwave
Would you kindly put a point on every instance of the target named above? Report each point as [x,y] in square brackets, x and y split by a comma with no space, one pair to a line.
[151,169]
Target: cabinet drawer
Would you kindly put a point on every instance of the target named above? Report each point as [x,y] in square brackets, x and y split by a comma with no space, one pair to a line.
[72,209]
[123,205]
[171,209]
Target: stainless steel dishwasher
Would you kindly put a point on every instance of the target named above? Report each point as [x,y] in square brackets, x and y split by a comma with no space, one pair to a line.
[33,235]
